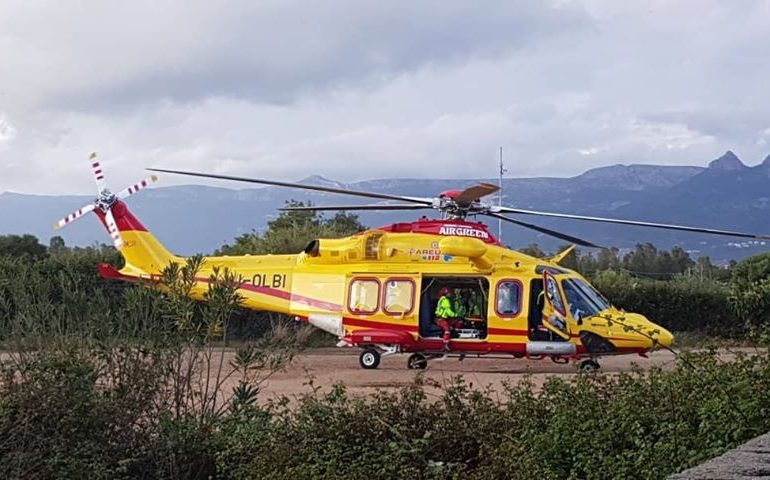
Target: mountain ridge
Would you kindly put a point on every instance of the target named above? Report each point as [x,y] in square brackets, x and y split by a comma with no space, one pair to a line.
[200,218]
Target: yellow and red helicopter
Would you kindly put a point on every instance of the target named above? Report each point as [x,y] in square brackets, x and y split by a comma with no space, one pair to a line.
[378,289]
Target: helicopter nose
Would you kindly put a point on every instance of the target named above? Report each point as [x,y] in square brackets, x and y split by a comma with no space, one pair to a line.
[665,338]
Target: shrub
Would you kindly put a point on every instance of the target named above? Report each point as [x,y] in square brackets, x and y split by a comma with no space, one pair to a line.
[634,425]
[145,404]
[750,291]
[682,304]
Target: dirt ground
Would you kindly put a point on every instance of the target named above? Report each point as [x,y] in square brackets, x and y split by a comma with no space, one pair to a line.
[324,367]
[328,366]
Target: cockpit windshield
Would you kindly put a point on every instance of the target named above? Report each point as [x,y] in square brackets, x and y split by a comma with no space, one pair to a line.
[583,299]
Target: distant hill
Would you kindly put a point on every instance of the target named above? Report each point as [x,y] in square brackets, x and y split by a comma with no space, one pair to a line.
[726,194]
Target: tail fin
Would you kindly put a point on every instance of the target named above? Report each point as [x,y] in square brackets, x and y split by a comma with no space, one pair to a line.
[144,254]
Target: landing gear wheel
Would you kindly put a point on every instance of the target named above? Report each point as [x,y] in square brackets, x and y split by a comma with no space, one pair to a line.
[369,359]
[417,361]
[589,366]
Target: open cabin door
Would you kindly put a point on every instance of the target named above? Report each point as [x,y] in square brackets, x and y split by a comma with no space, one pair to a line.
[554,311]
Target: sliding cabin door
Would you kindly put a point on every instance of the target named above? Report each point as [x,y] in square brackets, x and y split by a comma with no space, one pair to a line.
[383,301]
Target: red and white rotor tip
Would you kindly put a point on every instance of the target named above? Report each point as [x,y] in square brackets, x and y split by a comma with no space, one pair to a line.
[132,189]
[96,168]
[74,216]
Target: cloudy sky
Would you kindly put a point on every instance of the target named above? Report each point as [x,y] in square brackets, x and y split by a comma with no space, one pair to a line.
[354,90]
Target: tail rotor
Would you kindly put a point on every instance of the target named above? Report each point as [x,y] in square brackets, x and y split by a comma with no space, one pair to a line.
[105,200]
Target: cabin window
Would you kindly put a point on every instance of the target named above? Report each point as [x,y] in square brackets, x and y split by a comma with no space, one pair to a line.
[364,296]
[399,296]
[508,303]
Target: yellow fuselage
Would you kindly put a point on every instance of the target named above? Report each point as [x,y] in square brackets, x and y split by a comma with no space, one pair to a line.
[317,286]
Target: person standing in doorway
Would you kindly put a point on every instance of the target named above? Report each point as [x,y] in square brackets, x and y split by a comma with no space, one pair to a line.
[445,312]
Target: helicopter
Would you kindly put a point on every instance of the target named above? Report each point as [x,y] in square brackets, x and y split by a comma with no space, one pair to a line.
[378,290]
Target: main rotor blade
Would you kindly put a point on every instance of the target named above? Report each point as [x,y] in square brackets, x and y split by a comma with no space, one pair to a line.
[132,189]
[321,208]
[96,168]
[474,193]
[113,229]
[74,216]
[553,233]
[317,188]
[665,226]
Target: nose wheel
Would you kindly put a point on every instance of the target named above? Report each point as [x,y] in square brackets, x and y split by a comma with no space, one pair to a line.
[589,366]
[369,359]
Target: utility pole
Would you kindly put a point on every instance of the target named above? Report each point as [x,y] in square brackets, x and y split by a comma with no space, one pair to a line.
[500,197]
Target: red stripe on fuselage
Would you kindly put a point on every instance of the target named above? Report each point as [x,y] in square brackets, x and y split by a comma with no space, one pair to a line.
[360,322]
[507,331]
[284,295]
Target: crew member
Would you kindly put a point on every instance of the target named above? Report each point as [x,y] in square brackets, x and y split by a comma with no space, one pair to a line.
[445,312]
[474,304]
[460,303]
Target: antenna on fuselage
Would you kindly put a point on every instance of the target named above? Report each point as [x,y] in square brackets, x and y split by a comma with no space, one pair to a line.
[500,197]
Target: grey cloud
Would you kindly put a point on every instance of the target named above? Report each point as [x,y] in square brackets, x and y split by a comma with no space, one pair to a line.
[420,89]
[263,51]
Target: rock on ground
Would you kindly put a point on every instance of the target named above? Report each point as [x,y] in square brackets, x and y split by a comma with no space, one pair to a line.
[750,460]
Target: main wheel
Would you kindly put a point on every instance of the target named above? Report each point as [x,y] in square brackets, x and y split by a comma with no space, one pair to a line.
[369,359]
[417,361]
[589,366]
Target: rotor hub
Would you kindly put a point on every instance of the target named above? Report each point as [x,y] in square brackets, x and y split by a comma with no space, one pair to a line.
[105,200]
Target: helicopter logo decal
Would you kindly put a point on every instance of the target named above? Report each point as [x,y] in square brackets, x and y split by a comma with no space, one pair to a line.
[460,231]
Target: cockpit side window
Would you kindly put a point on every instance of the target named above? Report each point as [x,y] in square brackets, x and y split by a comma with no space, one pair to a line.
[552,290]
[582,298]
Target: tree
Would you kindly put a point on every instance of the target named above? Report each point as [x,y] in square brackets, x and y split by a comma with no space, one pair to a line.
[24,246]
[681,260]
[647,260]
[343,223]
[533,250]
[608,259]
[643,259]
[292,230]
[56,245]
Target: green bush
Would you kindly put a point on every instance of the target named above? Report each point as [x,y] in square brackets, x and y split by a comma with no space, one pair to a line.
[58,295]
[66,416]
[750,291]
[682,304]
[118,387]
[636,425]
[60,418]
